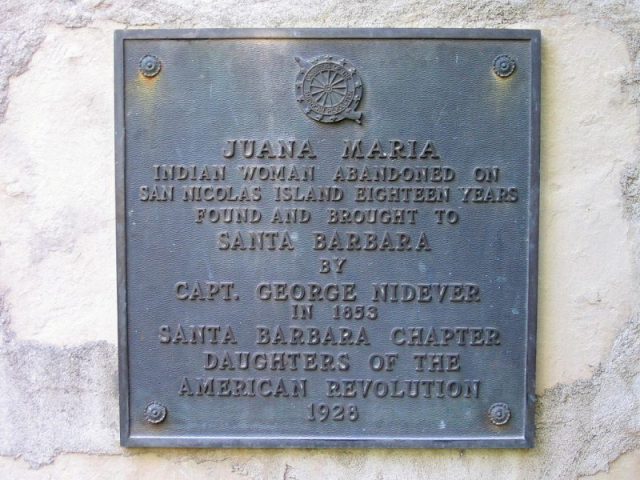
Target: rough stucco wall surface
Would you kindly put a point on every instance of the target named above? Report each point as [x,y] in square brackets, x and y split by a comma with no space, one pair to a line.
[58,360]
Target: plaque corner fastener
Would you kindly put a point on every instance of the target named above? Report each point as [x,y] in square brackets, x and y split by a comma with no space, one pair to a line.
[155,412]
[150,65]
[499,413]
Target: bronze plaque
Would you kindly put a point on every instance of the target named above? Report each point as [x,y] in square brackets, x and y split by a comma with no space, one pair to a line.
[327,238]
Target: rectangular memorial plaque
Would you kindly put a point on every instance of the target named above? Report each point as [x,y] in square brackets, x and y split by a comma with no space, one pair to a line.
[327,237]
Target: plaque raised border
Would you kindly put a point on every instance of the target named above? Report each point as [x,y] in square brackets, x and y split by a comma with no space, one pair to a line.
[156,412]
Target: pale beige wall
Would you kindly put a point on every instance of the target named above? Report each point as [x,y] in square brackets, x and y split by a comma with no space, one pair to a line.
[58,378]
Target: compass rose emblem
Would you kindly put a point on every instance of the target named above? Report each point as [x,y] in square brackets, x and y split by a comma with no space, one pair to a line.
[328,89]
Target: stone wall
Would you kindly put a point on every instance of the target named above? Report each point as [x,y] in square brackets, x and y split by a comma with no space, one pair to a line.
[58,358]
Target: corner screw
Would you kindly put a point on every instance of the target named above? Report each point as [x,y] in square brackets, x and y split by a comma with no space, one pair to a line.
[150,66]
[499,413]
[504,66]
[155,412]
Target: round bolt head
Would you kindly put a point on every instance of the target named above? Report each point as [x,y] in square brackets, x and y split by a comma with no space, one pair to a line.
[150,66]
[155,412]
[499,413]
[504,66]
